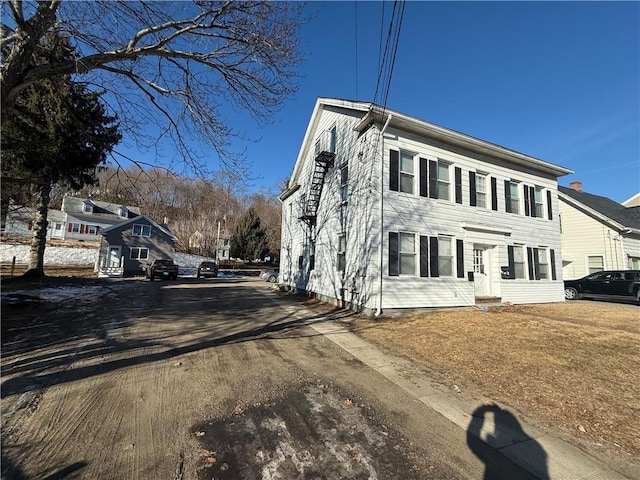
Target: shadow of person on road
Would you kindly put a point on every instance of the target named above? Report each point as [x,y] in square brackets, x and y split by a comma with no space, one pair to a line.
[493,429]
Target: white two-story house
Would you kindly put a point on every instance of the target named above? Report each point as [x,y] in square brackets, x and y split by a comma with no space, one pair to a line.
[386,211]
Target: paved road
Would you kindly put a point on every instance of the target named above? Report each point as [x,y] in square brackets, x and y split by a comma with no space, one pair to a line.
[209,379]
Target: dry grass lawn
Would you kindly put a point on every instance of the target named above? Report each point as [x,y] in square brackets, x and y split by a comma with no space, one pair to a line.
[575,366]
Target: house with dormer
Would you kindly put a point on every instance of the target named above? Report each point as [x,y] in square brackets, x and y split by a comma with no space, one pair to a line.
[387,211]
[86,218]
[597,233]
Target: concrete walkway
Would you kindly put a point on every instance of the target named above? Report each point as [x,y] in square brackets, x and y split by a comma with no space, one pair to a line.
[563,460]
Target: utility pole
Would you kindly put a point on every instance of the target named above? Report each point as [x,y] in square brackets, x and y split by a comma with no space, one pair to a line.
[218,243]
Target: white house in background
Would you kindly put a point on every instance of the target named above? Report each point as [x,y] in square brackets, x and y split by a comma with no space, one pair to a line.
[85,218]
[387,211]
[633,201]
[80,219]
[597,233]
[19,222]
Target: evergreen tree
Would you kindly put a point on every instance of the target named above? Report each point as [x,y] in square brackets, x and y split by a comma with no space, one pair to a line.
[57,132]
[249,240]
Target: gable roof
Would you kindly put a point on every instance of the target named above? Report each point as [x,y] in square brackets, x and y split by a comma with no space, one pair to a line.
[614,213]
[370,114]
[126,223]
[74,205]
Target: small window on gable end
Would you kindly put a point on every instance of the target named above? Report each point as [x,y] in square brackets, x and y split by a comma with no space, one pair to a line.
[333,139]
[344,183]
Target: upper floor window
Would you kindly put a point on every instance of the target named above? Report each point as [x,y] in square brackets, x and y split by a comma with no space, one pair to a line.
[538,203]
[87,207]
[344,183]
[333,139]
[481,190]
[123,212]
[511,196]
[92,229]
[406,172]
[140,230]
[443,183]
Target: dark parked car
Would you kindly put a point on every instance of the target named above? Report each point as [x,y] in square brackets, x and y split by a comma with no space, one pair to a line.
[607,285]
[208,269]
[162,268]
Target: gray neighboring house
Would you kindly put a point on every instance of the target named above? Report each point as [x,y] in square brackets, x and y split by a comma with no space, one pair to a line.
[19,222]
[126,248]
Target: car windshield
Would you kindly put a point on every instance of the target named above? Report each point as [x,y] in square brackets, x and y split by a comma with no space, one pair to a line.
[207,264]
[164,262]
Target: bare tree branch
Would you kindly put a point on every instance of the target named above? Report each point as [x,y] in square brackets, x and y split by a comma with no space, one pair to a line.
[184,60]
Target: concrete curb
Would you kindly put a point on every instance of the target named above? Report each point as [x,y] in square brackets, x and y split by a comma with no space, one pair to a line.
[564,461]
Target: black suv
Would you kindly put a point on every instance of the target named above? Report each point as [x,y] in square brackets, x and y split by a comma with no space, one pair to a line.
[609,285]
[208,269]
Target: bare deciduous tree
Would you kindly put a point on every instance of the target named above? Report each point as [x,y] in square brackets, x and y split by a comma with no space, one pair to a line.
[171,67]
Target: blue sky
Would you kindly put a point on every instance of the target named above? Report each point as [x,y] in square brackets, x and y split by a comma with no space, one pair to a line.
[557,81]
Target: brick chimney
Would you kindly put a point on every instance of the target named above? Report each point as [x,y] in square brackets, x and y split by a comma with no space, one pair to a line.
[576,186]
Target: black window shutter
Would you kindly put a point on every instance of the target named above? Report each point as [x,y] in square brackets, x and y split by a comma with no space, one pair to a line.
[458,178]
[532,195]
[424,256]
[433,179]
[494,194]
[394,168]
[423,177]
[460,258]
[507,196]
[536,262]
[300,262]
[433,256]
[530,258]
[312,262]
[552,254]
[549,206]
[394,267]
[527,204]
[512,262]
[473,199]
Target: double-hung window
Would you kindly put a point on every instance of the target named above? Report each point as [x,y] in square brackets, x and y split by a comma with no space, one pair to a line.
[538,263]
[406,172]
[517,261]
[595,263]
[511,196]
[443,180]
[344,183]
[140,230]
[139,253]
[445,257]
[481,190]
[341,262]
[407,254]
[538,210]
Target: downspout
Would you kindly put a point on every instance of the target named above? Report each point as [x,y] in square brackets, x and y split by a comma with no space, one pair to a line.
[381,239]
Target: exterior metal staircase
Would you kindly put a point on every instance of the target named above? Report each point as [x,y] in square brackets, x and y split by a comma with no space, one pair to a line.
[323,161]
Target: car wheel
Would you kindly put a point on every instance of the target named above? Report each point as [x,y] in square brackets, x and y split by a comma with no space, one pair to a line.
[570,293]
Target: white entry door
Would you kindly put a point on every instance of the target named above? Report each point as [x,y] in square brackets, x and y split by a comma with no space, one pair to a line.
[113,257]
[481,279]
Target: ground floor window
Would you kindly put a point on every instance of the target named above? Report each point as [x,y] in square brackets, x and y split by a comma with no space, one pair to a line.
[595,263]
[634,263]
[139,253]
